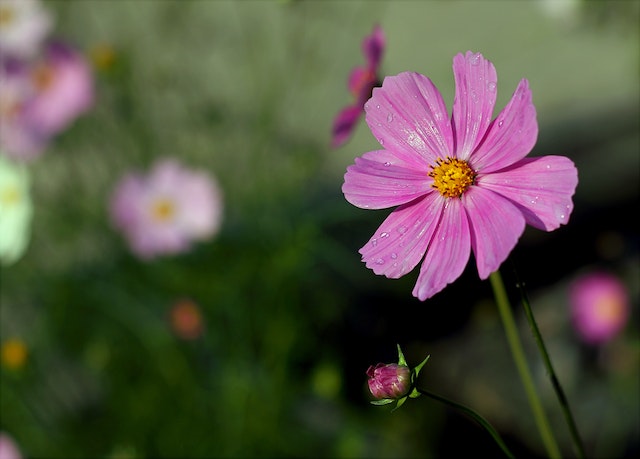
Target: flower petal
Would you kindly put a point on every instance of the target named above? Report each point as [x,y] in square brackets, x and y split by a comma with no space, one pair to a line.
[344,124]
[496,225]
[407,115]
[379,180]
[476,91]
[541,187]
[511,135]
[373,47]
[400,242]
[448,252]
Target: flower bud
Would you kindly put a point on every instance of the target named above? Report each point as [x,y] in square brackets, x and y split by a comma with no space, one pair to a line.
[389,381]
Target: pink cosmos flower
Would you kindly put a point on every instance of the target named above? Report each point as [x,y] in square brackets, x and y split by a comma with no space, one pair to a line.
[599,306]
[361,82]
[460,183]
[18,139]
[8,447]
[42,97]
[64,90]
[165,211]
[24,25]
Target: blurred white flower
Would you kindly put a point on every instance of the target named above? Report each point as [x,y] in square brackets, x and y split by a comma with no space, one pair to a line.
[24,25]
[16,210]
[165,211]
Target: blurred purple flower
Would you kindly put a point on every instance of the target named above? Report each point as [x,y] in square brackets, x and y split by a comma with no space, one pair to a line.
[24,25]
[461,184]
[600,306]
[8,447]
[42,97]
[18,139]
[389,381]
[361,82]
[165,211]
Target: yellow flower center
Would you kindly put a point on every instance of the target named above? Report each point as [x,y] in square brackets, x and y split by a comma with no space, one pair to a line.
[6,15]
[14,354]
[452,177]
[9,195]
[43,77]
[163,210]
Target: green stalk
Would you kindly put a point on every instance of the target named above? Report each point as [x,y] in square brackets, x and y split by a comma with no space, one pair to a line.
[475,416]
[517,351]
[564,403]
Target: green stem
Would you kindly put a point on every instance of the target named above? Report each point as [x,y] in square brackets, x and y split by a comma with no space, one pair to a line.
[564,403]
[517,351]
[475,416]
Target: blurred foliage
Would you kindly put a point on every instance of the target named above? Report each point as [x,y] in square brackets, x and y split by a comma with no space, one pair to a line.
[248,90]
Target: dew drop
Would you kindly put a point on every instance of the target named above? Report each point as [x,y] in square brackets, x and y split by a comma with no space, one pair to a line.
[500,123]
[389,117]
[380,261]
[374,242]
[378,106]
[384,235]
[491,86]
[474,59]
[394,255]
[387,164]
[381,141]
[402,229]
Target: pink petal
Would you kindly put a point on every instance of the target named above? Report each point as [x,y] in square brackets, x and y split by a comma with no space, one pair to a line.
[407,115]
[511,135]
[400,242]
[448,252]
[379,180]
[373,47]
[496,225]
[344,124]
[541,187]
[476,91]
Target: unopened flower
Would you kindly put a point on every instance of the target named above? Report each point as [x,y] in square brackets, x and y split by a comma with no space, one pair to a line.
[460,183]
[393,382]
[166,210]
[600,306]
[13,354]
[361,82]
[186,320]
[24,25]
[16,210]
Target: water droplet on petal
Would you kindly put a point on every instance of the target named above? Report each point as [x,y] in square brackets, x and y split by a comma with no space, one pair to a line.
[378,106]
[384,234]
[389,117]
[381,141]
[474,59]
[387,164]
[402,229]
[500,123]
[380,261]
[491,86]
[394,255]
[374,242]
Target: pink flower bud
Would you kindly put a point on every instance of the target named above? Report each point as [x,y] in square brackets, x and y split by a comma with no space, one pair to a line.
[389,381]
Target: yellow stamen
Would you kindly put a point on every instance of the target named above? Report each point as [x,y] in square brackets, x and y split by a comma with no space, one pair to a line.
[452,177]
[163,210]
[6,15]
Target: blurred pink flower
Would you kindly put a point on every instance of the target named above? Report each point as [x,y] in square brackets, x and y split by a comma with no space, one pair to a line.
[461,184]
[42,97]
[599,305]
[18,139]
[165,211]
[8,448]
[361,82]
[64,89]
[24,25]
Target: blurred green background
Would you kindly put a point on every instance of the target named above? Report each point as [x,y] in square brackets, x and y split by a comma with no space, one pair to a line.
[248,90]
